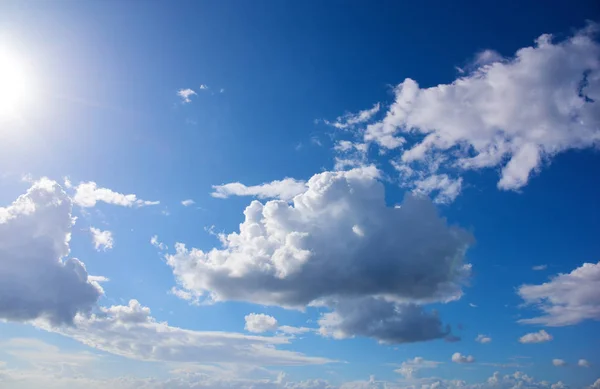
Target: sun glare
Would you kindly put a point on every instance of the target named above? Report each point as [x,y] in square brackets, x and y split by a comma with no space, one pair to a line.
[14,84]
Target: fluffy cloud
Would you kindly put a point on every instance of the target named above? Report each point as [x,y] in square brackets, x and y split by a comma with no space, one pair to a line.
[559,362]
[566,299]
[459,358]
[259,322]
[350,120]
[483,339]
[446,188]
[284,189]
[186,95]
[510,113]
[102,240]
[410,368]
[130,331]
[88,194]
[583,363]
[188,202]
[536,337]
[338,244]
[36,281]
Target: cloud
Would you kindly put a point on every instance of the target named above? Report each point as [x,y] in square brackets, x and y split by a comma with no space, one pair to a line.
[130,331]
[88,194]
[158,244]
[583,363]
[103,240]
[259,323]
[559,362]
[509,113]
[536,337]
[285,190]
[188,202]
[37,281]
[446,188]
[539,267]
[472,305]
[308,252]
[459,358]
[566,299]
[294,330]
[483,339]
[350,120]
[45,357]
[411,367]
[595,385]
[186,95]
[203,87]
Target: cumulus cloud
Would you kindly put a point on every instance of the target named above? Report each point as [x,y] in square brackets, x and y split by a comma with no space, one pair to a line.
[483,339]
[536,337]
[36,279]
[259,322]
[186,95]
[188,202]
[88,194]
[284,189]
[459,358]
[130,331]
[350,120]
[411,367]
[559,362]
[566,299]
[583,363]
[511,113]
[102,240]
[309,252]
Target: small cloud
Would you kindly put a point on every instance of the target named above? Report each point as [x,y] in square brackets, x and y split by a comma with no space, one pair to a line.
[483,339]
[186,95]
[193,298]
[203,87]
[540,267]
[459,358]
[188,202]
[559,362]
[156,243]
[67,182]
[536,337]
[165,212]
[583,363]
[103,240]
[259,322]
[222,90]
[291,330]
[472,305]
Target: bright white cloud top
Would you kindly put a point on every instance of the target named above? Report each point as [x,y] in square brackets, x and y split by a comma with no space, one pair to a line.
[88,194]
[284,189]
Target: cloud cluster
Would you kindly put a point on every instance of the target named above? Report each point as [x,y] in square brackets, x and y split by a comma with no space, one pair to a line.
[483,339]
[186,95]
[410,368]
[338,244]
[350,120]
[87,194]
[102,240]
[459,358]
[536,337]
[259,323]
[36,281]
[566,299]
[284,189]
[131,331]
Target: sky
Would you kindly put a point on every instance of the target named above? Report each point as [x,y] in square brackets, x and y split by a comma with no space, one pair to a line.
[299,195]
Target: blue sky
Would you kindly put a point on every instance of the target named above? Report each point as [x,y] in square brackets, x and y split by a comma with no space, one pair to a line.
[410,191]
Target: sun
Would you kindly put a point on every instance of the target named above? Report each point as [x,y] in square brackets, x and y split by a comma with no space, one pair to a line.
[14,84]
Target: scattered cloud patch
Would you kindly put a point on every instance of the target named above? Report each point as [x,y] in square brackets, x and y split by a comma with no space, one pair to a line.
[567,299]
[294,330]
[483,339]
[410,368]
[186,95]
[540,267]
[536,337]
[559,362]
[158,244]
[259,323]
[188,202]
[88,194]
[284,189]
[102,240]
[350,120]
[459,358]
[472,305]
[583,363]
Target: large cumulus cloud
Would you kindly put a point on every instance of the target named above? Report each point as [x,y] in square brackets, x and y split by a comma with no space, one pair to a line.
[335,242]
[36,279]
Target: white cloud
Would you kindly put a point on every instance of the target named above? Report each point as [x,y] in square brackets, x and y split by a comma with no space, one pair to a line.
[186,95]
[350,120]
[158,244]
[188,202]
[45,357]
[483,339]
[203,87]
[536,337]
[259,323]
[472,305]
[566,299]
[130,331]
[222,90]
[103,240]
[540,267]
[291,255]
[294,330]
[446,188]
[559,362]
[595,385]
[583,363]
[512,113]
[36,278]
[284,189]
[88,194]
[459,358]
[411,367]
